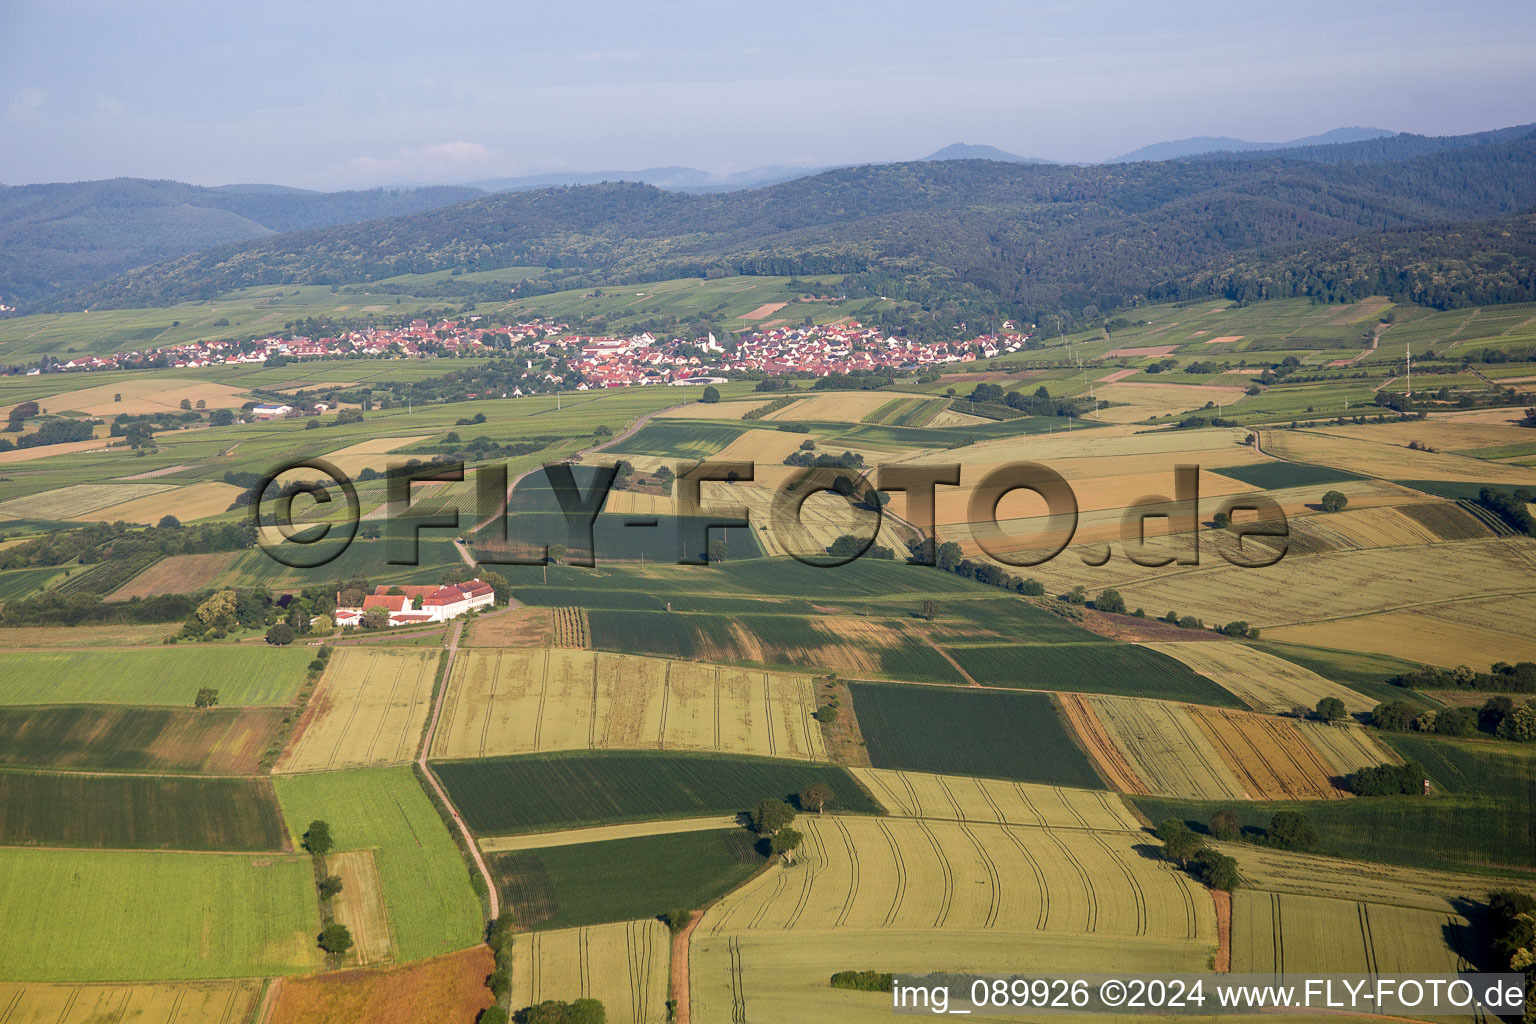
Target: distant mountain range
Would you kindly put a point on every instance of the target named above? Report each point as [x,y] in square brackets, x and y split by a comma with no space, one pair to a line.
[57,238]
[60,240]
[959,237]
[1177,148]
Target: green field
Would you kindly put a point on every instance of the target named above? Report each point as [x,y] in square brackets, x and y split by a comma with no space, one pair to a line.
[622,879]
[681,439]
[1275,476]
[120,738]
[954,731]
[1447,832]
[507,795]
[130,812]
[432,908]
[72,915]
[1116,668]
[245,675]
[1366,673]
[1453,489]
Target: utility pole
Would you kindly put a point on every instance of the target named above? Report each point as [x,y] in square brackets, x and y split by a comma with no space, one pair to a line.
[1410,370]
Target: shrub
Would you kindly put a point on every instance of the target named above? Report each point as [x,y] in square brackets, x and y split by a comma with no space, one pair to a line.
[1335,501]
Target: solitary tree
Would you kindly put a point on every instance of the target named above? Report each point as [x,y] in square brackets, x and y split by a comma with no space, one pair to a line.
[771,815]
[1331,709]
[930,610]
[1335,501]
[556,553]
[711,395]
[677,919]
[207,697]
[1110,601]
[336,939]
[330,886]
[317,838]
[168,523]
[816,796]
[1221,520]
[280,635]
[718,550]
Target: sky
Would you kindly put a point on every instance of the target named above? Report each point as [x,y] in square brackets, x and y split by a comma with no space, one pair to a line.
[344,95]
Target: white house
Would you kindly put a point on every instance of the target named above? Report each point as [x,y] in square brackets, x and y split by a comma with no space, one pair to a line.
[413,606]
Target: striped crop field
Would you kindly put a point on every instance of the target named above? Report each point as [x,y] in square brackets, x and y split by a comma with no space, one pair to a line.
[624,966]
[1260,680]
[1162,747]
[859,874]
[511,701]
[370,708]
[1269,755]
[1274,932]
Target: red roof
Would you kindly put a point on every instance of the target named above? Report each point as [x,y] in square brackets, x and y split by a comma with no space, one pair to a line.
[475,588]
[442,596]
[396,603]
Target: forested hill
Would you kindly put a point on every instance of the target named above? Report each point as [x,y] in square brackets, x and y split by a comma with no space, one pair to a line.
[1403,146]
[62,237]
[1445,266]
[1031,238]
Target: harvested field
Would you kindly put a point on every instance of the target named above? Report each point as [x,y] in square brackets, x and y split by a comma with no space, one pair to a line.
[355,458]
[624,966]
[187,1002]
[187,504]
[183,915]
[77,500]
[146,395]
[524,701]
[832,407]
[1385,526]
[1268,755]
[360,905]
[1224,337]
[370,708]
[1095,739]
[1277,933]
[1138,353]
[1262,681]
[764,445]
[1391,461]
[177,574]
[1165,748]
[962,798]
[45,450]
[859,874]
[1446,520]
[764,311]
[24,638]
[447,988]
[1336,585]
[562,791]
[516,627]
[146,812]
[1110,378]
[221,741]
[960,731]
[154,675]
[1472,632]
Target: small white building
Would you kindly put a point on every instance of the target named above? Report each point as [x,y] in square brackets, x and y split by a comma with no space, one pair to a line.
[271,412]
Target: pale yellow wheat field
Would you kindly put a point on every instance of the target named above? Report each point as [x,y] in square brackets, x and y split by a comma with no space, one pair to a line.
[523,701]
[1274,932]
[1261,680]
[1166,748]
[624,965]
[370,708]
[360,905]
[187,1002]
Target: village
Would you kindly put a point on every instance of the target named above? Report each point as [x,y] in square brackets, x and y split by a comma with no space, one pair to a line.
[587,362]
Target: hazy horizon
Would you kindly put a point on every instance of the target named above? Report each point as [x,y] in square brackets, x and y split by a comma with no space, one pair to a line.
[348,96]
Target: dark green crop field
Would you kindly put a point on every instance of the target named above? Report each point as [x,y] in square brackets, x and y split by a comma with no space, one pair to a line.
[500,796]
[1274,476]
[955,731]
[1117,668]
[135,812]
[622,879]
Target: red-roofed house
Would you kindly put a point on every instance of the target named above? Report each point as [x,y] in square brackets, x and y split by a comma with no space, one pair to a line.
[414,605]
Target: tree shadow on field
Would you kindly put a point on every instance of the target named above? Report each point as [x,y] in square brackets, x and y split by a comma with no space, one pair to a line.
[1149,852]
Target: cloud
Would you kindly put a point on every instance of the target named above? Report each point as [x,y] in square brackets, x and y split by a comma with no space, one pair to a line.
[444,161]
[26,103]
